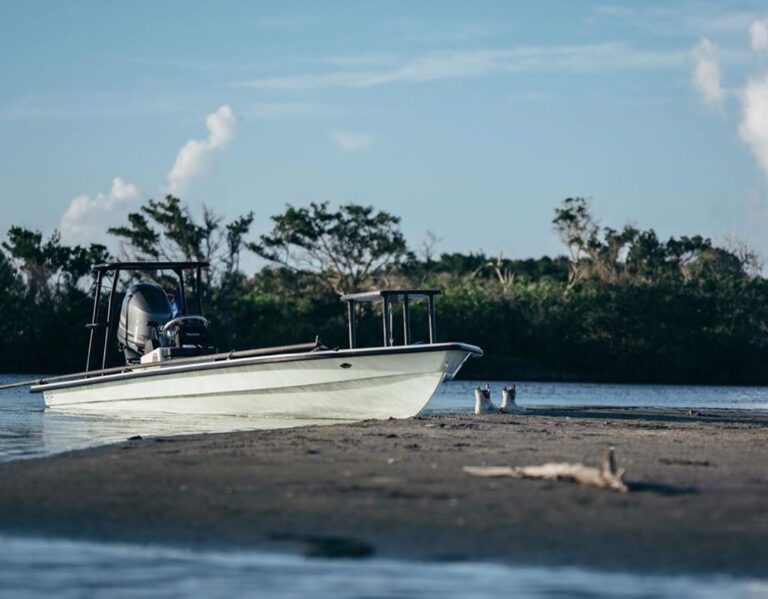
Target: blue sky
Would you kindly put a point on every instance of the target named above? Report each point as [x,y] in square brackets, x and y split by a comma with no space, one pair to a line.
[472,120]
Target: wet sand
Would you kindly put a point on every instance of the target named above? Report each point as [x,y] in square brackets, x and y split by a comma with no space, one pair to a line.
[698,499]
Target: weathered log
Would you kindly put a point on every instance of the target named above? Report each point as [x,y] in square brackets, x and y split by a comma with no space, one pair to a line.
[608,476]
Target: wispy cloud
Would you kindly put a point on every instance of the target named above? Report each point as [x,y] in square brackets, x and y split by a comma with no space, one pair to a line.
[196,154]
[88,217]
[462,33]
[707,73]
[92,105]
[531,96]
[711,19]
[280,110]
[362,60]
[436,66]
[350,141]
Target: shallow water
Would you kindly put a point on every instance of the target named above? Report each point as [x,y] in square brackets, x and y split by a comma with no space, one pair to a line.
[44,568]
[27,430]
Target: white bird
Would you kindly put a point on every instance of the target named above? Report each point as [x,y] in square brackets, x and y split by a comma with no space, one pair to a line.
[508,405]
[483,403]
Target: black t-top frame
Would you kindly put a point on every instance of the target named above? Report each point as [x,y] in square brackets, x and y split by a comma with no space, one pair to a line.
[103,270]
[387,296]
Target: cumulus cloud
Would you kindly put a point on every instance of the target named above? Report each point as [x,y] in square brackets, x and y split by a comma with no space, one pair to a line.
[707,74]
[195,156]
[352,142]
[754,119]
[758,35]
[87,218]
[753,95]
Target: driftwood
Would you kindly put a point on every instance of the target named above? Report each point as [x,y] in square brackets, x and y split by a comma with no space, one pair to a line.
[608,476]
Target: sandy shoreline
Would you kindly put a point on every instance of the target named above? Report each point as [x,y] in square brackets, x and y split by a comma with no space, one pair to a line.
[698,500]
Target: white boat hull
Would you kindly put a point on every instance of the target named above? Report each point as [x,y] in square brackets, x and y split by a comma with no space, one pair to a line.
[395,382]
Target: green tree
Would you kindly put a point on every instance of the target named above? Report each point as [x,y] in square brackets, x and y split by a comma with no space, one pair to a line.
[167,230]
[47,265]
[348,247]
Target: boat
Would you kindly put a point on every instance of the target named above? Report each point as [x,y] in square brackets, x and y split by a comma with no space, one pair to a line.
[169,367]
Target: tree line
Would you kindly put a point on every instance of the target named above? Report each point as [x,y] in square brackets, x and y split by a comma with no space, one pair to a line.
[619,305]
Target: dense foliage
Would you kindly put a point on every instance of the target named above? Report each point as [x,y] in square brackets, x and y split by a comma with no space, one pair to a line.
[623,305]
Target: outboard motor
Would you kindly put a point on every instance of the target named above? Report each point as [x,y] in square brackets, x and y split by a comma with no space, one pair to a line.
[145,309]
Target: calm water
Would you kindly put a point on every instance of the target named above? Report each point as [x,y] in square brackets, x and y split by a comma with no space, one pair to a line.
[26,430]
[42,567]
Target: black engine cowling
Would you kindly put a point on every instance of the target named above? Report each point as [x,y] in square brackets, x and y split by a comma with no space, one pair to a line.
[145,308]
[147,321]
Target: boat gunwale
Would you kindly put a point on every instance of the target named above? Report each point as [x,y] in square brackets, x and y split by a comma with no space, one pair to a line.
[247,361]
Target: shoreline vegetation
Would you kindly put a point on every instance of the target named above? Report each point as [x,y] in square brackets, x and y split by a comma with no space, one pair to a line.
[397,488]
[620,306]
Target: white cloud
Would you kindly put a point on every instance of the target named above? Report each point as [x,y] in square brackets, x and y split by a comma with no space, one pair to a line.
[194,157]
[707,74]
[87,218]
[758,35]
[352,142]
[475,63]
[754,123]
[753,95]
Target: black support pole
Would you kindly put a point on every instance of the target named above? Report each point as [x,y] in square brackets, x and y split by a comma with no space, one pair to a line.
[182,291]
[352,324]
[94,318]
[108,324]
[432,319]
[406,320]
[199,286]
[387,323]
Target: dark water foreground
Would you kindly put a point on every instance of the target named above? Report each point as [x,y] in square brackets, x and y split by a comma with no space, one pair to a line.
[75,569]
[396,490]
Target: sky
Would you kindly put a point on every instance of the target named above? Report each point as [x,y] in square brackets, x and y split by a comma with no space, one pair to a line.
[470,120]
